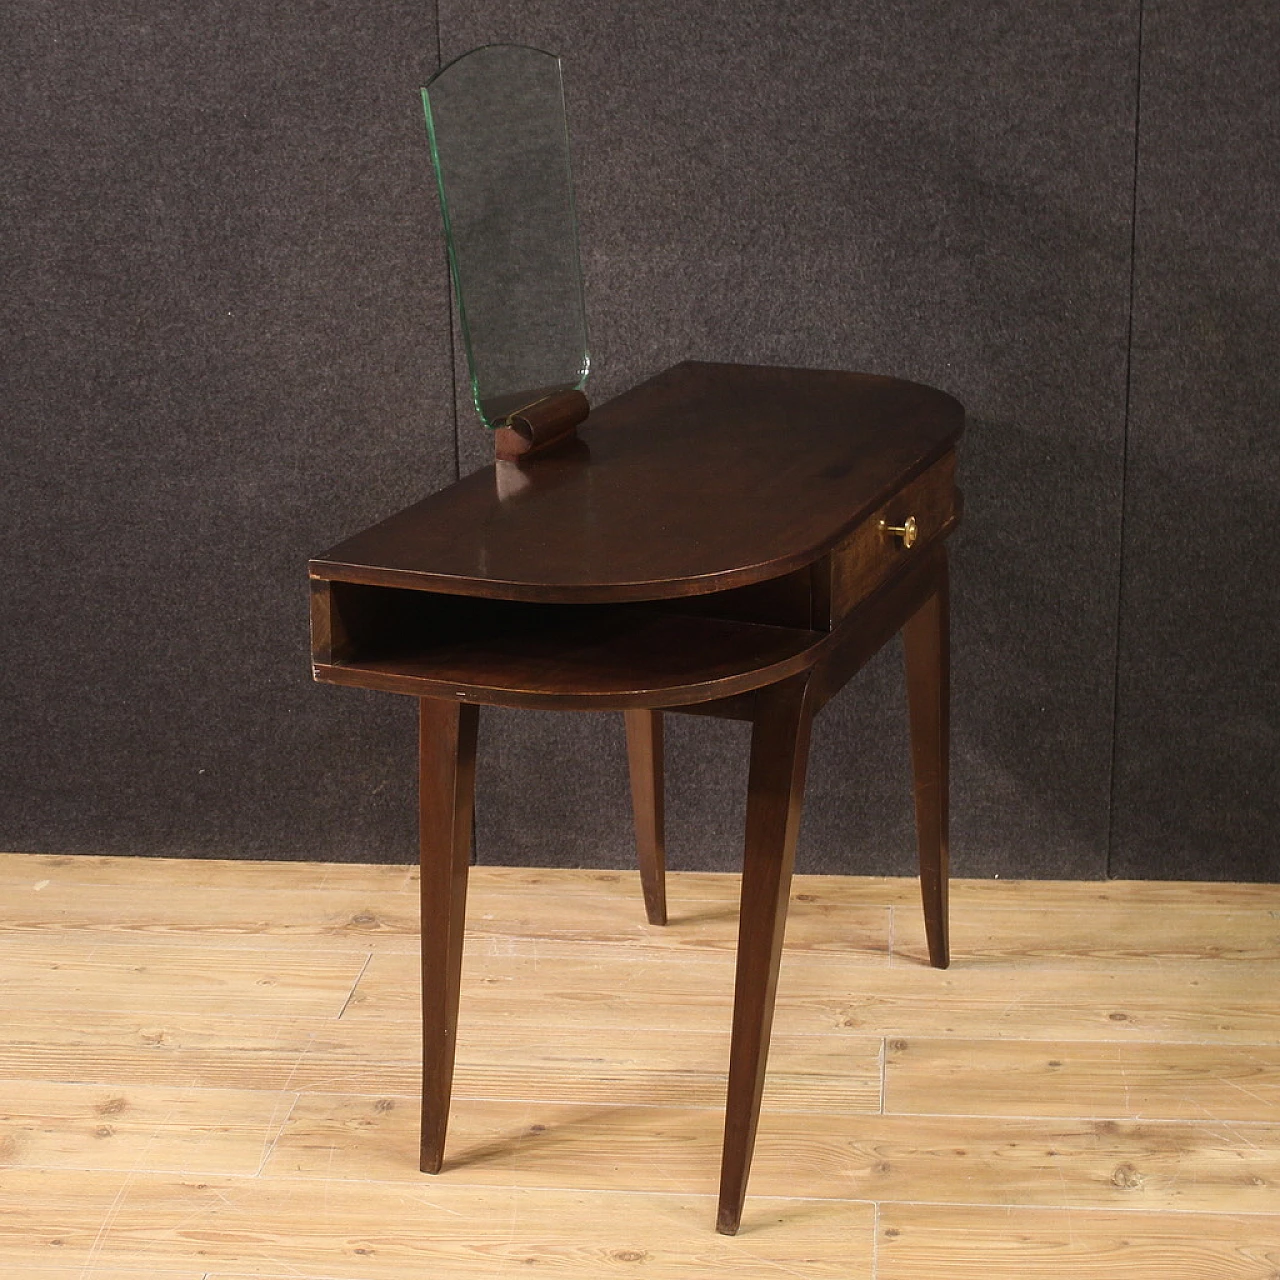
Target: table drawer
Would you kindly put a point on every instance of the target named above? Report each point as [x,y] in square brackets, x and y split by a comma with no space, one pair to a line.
[870,554]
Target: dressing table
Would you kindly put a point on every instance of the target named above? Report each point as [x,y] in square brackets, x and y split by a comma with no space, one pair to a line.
[724,540]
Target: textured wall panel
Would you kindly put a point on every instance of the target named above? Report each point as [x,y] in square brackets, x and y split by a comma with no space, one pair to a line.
[227,347]
[1198,741]
[934,191]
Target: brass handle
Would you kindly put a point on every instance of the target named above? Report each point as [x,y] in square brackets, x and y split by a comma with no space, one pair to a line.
[908,531]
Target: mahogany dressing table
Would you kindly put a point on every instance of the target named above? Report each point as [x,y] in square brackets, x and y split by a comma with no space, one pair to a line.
[723,540]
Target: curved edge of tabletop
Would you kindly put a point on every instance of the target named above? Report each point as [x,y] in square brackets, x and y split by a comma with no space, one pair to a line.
[398,551]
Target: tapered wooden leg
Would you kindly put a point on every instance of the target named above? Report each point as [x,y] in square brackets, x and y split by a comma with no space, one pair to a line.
[779,756]
[446,805]
[927,646]
[644,755]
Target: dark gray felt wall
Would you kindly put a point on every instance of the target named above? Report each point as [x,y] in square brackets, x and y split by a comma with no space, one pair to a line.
[229,343]
[1197,742]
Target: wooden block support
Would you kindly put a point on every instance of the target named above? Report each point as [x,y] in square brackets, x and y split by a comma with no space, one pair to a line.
[540,427]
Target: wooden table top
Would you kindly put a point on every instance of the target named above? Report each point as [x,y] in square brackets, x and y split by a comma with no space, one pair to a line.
[706,477]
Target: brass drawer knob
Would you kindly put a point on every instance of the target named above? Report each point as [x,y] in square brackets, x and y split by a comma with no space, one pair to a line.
[908,531]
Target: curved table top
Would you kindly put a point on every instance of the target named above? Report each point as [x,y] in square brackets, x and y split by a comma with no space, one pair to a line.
[706,477]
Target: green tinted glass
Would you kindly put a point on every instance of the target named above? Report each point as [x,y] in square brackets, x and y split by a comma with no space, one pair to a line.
[500,147]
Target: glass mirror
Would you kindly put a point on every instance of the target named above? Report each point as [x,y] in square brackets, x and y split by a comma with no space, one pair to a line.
[500,147]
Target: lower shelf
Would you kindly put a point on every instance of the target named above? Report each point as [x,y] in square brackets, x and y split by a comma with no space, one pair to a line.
[599,658]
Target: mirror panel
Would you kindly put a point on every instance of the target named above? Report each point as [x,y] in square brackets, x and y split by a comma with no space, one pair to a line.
[500,147]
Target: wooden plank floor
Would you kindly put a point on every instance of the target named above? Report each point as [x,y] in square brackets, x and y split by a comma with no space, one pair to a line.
[209,1070]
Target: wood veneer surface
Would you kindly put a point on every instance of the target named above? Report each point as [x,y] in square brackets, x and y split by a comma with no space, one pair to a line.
[210,1070]
[705,477]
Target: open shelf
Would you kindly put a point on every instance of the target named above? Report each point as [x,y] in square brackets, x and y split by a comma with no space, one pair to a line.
[509,653]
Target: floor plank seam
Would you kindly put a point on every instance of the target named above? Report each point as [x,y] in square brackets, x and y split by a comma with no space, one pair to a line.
[972,1183]
[346,1004]
[875,1242]
[269,1147]
[883,1060]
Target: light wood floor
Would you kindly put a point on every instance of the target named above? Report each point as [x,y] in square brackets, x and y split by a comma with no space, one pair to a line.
[208,1070]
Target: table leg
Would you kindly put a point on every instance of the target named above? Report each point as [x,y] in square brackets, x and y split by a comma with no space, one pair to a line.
[779,756]
[644,756]
[446,806]
[926,643]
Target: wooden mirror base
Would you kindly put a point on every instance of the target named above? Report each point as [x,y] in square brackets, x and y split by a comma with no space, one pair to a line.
[539,428]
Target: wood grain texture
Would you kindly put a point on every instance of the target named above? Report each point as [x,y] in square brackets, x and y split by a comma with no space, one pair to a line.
[923,1242]
[1200,1168]
[1044,1078]
[30,869]
[236,875]
[860,933]
[157,978]
[1100,935]
[590,1077]
[408,1230]
[589,984]
[91,1272]
[47,1125]
[656,1066]
[251,917]
[1013,895]
[231,1050]
[1201,1002]
[1098,1165]
[737,474]
[332,920]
